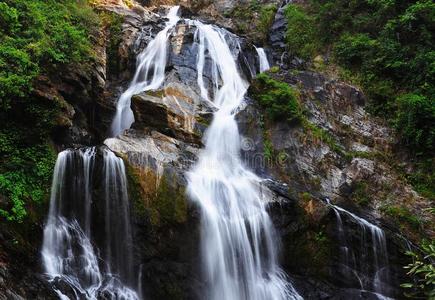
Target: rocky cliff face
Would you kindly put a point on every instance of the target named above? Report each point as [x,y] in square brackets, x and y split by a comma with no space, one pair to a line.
[344,155]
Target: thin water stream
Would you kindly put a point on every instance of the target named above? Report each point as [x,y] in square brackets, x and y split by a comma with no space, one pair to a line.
[372,263]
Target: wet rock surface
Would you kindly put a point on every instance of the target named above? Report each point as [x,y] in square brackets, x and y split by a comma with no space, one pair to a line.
[165,140]
[347,163]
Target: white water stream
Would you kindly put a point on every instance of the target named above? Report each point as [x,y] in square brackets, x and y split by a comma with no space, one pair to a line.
[239,246]
[149,75]
[68,254]
[262,60]
[374,260]
[238,241]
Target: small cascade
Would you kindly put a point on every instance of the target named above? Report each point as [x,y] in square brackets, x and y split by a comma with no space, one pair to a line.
[262,60]
[370,267]
[117,223]
[69,254]
[149,74]
[239,245]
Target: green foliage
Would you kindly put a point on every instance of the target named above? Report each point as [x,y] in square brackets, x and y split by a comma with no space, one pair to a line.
[402,215]
[265,19]
[423,178]
[268,149]
[388,46]
[27,159]
[351,50]
[27,183]
[422,271]
[278,99]
[415,120]
[36,37]
[301,35]
[113,23]
[16,73]
[320,237]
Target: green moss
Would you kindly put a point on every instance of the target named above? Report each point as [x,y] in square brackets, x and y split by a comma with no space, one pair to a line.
[170,205]
[268,149]
[361,154]
[156,93]
[156,198]
[266,17]
[279,100]
[135,190]
[274,69]
[305,196]
[314,250]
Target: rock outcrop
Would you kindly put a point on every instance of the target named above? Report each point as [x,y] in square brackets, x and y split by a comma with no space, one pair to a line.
[341,153]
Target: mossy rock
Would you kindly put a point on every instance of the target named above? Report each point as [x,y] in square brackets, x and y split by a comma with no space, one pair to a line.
[158,198]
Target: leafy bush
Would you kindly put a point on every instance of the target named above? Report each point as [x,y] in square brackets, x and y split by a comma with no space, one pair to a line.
[36,37]
[422,271]
[423,178]
[278,98]
[301,35]
[266,17]
[402,215]
[351,50]
[415,120]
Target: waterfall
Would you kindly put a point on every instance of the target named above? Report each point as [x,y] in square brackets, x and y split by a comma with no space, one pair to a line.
[69,255]
[239,245]
[374,260]
[262,60]
[149,74]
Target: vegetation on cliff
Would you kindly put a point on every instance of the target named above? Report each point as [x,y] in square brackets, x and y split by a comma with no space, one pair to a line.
[423,271]
[277,98]
[253,19]
[36,38]
[386,47]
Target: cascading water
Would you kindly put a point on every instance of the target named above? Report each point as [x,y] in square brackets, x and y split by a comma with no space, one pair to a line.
[373,263]
[238,238]
[149,75]
[239,243]
[262,59]
[68,253]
